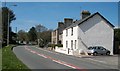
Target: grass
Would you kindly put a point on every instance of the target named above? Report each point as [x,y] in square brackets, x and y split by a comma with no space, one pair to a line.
[0,59]
[10,61]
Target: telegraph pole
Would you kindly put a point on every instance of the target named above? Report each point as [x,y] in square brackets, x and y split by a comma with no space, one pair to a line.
[8,32]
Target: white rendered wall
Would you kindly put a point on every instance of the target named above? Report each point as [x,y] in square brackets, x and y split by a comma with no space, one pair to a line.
[69,38]
[96,32]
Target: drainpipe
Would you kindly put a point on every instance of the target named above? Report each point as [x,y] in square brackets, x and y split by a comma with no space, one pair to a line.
[68,50]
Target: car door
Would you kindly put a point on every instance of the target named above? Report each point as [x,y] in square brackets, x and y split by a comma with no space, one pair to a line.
[103,50]
[99,50]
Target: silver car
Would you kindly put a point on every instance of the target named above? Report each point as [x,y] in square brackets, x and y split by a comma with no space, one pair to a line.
[95,50]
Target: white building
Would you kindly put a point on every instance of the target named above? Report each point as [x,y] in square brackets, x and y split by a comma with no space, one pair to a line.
[91,30]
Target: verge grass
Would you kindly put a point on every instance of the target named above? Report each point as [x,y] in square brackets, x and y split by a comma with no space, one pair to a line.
[10,61]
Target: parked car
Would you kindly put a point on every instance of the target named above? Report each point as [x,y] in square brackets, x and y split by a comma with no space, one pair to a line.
[95,50]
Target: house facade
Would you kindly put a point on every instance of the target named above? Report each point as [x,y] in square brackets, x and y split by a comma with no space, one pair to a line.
[91,30]
[57,34]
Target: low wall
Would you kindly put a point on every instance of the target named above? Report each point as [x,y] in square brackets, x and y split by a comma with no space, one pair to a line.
[60,50]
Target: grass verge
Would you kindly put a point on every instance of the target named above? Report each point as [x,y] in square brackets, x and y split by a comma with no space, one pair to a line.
[10,61]
[0,59]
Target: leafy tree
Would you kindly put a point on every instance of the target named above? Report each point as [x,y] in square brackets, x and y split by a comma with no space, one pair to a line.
[116,40]
[12,37]
[117,34]
[6,13]
[32,34]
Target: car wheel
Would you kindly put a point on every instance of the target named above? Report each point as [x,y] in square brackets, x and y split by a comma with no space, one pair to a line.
[95,53]
[108,53]
[89,54]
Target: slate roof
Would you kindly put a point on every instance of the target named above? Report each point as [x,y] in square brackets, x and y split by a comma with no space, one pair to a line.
[76,23]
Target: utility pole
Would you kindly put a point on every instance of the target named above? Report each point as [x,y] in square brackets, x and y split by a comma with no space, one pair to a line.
[8,28]
[8,32]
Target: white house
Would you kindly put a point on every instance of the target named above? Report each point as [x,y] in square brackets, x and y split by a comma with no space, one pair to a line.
[91,30]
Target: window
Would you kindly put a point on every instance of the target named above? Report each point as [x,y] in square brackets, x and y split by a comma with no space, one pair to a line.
[71,44]
[66,44]
[66,32]
[71,31]
[75,43]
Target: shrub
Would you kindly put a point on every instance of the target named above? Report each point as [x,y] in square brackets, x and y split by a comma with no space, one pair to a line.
[59,45]
[53,45]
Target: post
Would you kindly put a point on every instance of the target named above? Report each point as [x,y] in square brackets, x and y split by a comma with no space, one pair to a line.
[38,42]
[68,50]
[8,29]
[8,24]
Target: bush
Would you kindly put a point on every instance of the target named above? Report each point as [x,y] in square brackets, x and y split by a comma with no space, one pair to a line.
[53,45]
[59,45]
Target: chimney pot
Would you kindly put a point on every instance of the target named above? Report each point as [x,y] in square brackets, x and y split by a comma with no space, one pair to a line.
[68,21]
[85,14]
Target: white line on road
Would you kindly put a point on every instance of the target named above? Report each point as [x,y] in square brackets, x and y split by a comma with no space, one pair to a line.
[55,60]
[46,50]
[96,60]
[71,57]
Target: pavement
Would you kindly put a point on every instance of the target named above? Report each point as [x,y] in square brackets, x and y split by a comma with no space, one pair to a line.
[37,58]
[111,59]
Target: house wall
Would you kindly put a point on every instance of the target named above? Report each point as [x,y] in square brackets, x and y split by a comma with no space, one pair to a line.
[54,36]
[69,38]
[60,38]
[95,32]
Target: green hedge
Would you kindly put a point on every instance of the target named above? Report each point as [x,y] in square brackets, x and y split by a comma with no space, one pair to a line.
[53,45]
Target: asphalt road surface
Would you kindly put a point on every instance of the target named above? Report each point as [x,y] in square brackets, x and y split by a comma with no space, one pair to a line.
[37,58]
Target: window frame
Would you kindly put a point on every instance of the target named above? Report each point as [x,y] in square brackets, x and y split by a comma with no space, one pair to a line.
[66,32]
[71,31]
[75,43]
[66,44]
[72,44]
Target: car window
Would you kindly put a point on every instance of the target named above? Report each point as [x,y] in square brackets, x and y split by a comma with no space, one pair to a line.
[103,49]
[94,47]
[90,48]
[98,48]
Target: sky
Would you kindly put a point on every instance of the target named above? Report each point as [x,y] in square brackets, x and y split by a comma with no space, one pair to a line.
[60,0]
[30,14]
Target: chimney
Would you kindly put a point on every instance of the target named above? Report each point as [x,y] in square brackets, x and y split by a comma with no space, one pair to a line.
[60,25]
[85,14]
[68,21]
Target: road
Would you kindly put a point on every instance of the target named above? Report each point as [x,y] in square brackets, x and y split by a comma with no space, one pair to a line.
[37,58]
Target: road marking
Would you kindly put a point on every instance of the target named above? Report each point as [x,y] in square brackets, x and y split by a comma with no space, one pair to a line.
[71,57]
[46,50]
[54,60]
[96,60]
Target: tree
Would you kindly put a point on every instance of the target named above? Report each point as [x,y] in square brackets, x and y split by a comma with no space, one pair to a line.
[46,36]
[43,34]
[5,12]
[32,34]
[22,36]
[12,37]
[117,34]
[116,40]
[40,28]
